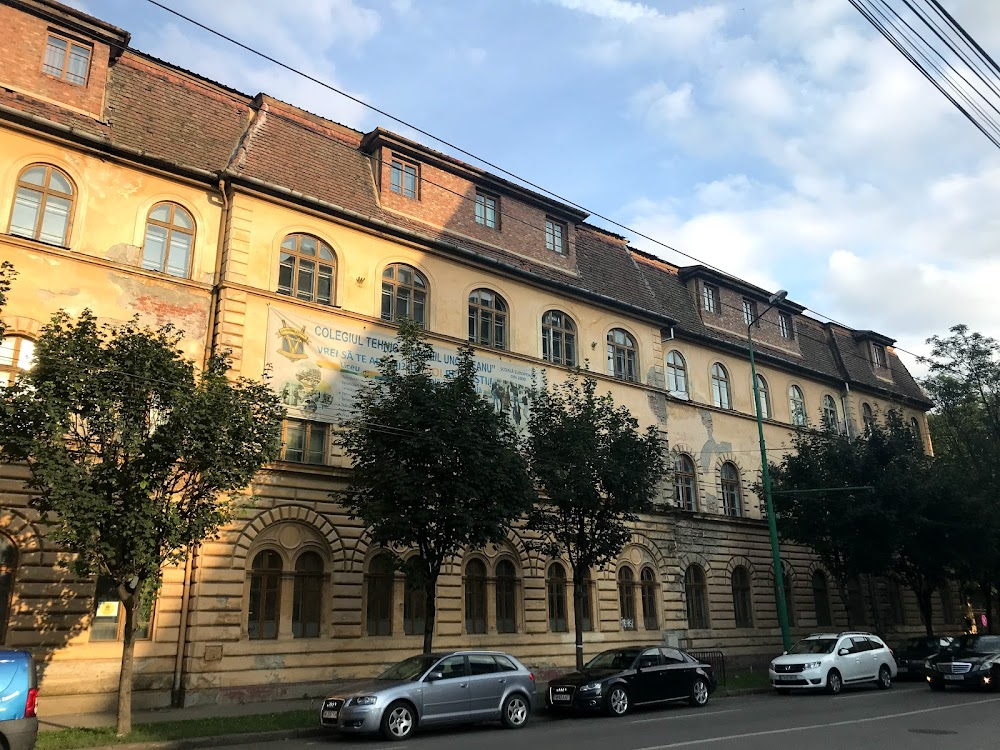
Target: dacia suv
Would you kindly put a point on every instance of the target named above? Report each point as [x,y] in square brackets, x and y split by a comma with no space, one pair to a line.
[829,661]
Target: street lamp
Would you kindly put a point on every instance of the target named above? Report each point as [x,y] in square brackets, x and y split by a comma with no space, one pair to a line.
[779,574]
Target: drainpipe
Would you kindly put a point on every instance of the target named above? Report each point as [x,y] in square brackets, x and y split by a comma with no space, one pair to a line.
[177,692]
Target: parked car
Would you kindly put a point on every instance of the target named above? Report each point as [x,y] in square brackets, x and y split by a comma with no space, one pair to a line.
[616,680]
[457,687]
[829,661]
[972,661]
[913,652]
[18,698]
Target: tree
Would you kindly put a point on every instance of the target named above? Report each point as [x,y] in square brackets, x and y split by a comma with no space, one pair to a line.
[964,383]
[7,274]
[596,472]
[436,468]
[133,454]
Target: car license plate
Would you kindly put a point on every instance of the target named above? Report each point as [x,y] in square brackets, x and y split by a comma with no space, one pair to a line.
[956,677]
[558,697]
[331,715]
[786,678]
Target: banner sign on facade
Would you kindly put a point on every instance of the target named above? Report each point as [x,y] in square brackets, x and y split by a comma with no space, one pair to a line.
[319,368]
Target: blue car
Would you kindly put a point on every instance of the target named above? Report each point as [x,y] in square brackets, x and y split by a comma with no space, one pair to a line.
[18,696]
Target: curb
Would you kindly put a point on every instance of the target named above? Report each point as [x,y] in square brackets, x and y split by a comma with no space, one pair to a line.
[740,692]
[221,740]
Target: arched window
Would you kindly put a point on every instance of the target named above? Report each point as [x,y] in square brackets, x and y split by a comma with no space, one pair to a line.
[43,205]
[475,597]
[797,406]
[379,580]
[685,488]
[558,338]
[742,599]
[830,419]
[555,584]
[169,240]
[677,381]
[17,354]
[821,598]
[786,587]
[765,397]
[622,357]
[8,572]
[867,416]
[626,598]
[265,595]
[696,594]
[307,596]
[648,589]
[915,429]
[588,603]
[307,269]
[505,581]
[404,294]
[487,319]
[720,387]
[732,493]
[414,605]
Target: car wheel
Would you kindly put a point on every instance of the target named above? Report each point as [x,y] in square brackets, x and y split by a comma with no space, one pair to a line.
[515,711]
[782,691]
[884,681]
[617,703]
[936,685]
[398,721]
[699,693]
[834,682]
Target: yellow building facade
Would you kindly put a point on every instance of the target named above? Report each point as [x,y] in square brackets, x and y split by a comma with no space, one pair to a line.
[296,243]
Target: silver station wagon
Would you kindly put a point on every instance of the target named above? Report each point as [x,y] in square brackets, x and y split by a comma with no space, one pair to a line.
[458,687]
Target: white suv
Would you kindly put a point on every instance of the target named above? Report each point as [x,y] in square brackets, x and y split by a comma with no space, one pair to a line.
[828,661]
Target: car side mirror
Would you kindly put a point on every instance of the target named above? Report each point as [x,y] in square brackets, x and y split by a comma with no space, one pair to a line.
[844,652]
[434,676]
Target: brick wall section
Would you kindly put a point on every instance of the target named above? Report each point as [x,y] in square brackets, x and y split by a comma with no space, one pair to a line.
[22,51]
[448,201]
[730,317]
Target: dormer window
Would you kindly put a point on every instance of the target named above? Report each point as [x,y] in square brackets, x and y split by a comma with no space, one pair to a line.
[555,236]
[785,326]
[66,60]
[710,298]
[403,178]
[750,312]
[878,357]
[487,210]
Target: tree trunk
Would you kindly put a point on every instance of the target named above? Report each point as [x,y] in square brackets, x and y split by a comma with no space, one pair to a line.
[125,678]
[430,609]
[578,594]
[926,608]
[876,613]
[844,600]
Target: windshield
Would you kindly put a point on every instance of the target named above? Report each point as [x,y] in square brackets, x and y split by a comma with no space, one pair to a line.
[410,669]
[921,644]
[979,644]
[620,658]
[814,646]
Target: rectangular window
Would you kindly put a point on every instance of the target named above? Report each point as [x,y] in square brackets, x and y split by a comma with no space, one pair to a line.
[878,356]
[66,60]
[750,312]
[710,298]
[303,442]
[403,179]
[108,623]
[555,236]
[785,326]
[487,212]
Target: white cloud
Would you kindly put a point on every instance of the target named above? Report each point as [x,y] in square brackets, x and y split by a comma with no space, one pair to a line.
[660,104]
[613,10]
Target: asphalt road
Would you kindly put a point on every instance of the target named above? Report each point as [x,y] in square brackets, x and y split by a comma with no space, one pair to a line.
[908,716]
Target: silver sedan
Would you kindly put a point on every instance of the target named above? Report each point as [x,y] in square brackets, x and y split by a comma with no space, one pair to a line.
[458,687]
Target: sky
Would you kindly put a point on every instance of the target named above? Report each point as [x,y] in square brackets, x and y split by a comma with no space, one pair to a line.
[783,141]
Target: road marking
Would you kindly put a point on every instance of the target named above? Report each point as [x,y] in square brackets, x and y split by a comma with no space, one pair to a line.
[788,730]
[686,716]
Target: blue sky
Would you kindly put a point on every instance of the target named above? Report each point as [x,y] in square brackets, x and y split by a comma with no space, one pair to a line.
[783,141]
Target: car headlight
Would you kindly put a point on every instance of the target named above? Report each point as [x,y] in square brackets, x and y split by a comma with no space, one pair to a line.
[986,666]
[591,687]
[812,665]
[365,700]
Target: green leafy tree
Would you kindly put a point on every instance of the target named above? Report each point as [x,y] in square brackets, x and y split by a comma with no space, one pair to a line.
[964,383]
[436,468]
[134,456]
[7,274]
[596,472]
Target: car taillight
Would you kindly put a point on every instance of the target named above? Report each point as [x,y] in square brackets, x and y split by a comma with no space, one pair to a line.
[31,703]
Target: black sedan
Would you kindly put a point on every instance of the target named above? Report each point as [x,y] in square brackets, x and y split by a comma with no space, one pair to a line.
[618,679]
[913,652]
[972,661]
